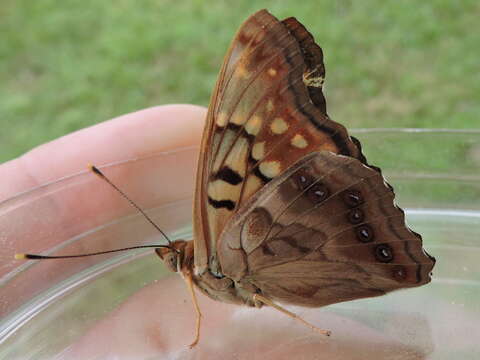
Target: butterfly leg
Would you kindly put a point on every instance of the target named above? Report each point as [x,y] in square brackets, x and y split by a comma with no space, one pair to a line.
[264,300]
[189,281]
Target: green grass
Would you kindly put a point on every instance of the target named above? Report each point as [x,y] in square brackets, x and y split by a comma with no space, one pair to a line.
[68,64]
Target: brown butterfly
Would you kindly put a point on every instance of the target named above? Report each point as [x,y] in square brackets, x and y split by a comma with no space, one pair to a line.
[286,206]
[287,209]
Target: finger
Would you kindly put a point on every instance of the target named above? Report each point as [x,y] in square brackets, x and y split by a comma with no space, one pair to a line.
[50,215]
[143,132]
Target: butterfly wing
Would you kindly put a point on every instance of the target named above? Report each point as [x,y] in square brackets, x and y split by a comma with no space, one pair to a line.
[267,111]
[325,231]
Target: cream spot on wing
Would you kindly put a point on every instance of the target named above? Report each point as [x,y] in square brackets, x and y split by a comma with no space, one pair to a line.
[221,120]
[272,72]
[278,126]
[299,141]
[238,156]
[221,190]
[309,79]
[253,125]
[258,150]
[238,119]
[270,105]
[251,187]
[270,168]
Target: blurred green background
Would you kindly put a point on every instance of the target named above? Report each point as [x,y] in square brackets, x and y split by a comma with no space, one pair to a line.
[65,65]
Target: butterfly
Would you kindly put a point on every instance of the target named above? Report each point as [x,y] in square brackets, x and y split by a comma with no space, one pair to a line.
[287,209]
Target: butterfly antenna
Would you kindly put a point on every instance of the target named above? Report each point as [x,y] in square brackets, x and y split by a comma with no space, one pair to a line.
[97,172]
[43,257]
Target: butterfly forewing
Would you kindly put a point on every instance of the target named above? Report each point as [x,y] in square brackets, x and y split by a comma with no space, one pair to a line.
[266,113]
[216,191]
[325,231]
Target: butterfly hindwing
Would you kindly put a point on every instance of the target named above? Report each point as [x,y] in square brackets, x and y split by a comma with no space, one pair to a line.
[325,231]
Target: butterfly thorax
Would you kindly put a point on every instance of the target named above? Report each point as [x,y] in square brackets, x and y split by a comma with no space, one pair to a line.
[179,258]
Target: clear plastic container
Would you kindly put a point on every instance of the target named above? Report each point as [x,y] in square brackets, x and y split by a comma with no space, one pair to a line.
[124,306]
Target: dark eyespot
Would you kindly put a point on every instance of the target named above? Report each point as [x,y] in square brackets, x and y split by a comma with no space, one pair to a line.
[303,179]
[364,233]
[355,216]
[317,193]
[384,253]
[352,198]
[399,273]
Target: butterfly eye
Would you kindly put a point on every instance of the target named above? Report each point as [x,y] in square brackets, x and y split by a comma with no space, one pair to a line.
[173,261]
[352,198]
[355,216]
[384,253]
[317,193]
[170,259]
[364,233]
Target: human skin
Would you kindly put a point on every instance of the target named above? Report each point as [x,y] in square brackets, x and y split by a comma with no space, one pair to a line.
[158,321]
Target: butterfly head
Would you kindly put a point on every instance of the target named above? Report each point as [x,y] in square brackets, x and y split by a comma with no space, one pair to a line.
[176,256]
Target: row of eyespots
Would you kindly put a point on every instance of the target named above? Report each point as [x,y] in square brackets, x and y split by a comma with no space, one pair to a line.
[364,232]
[352,199]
